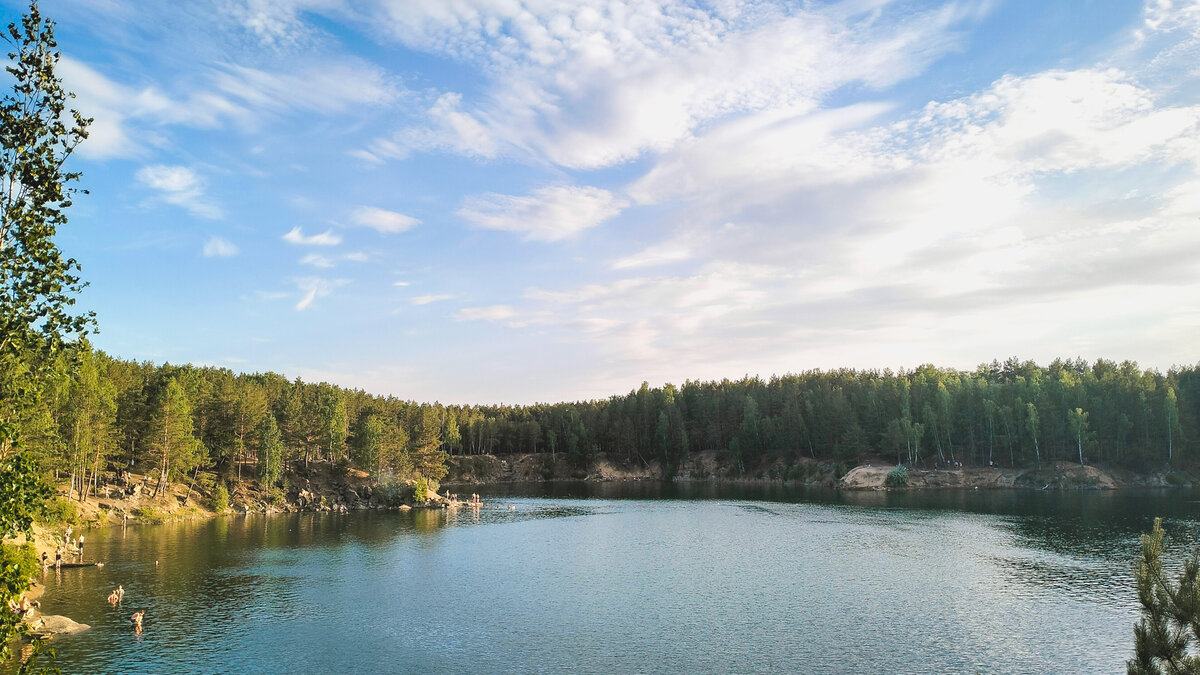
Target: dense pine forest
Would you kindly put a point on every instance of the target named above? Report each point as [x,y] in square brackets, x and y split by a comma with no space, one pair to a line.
[99,414]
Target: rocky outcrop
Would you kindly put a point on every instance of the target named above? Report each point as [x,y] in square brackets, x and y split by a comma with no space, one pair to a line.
[1057,476]
[46,626]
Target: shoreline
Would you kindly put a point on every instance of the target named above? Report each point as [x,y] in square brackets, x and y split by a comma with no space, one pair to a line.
[868,473]
[348,495]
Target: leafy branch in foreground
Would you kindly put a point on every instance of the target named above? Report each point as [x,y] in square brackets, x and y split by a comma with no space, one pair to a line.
[37,283]
[1170,622]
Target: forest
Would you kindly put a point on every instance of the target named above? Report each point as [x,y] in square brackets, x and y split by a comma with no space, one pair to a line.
[98,414]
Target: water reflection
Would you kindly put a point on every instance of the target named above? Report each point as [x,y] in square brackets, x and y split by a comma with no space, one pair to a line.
[612,577]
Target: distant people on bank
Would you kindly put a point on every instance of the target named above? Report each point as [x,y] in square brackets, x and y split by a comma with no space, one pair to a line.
[58,558]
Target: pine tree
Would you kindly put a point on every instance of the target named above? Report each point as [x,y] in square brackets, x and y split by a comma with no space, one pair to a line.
[172,435]
[270,451]
[1170,622]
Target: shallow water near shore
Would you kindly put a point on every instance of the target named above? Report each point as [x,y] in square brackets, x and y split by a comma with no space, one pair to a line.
[631,577]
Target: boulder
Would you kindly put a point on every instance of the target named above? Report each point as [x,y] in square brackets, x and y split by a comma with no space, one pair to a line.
[56,625]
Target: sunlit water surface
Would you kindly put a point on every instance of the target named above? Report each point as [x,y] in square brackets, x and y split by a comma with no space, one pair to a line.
[626,578]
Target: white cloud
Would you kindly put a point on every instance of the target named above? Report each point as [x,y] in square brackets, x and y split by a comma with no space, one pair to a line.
[277,23]
[218,247]
[548,214]
[401,283]
[316,260]
[658,254]
[427,299]
[1168,15]
[312,288]
[491,313]
[1030,206]
[323,87]
[450,129]
[589,84]
[131,119]
[387,222]
[180,186]
[326,238]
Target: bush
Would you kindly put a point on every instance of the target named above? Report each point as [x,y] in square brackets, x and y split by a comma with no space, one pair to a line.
[23,558]
[59,511]
[421,490]
[151,514]
[220,498]
[897,477]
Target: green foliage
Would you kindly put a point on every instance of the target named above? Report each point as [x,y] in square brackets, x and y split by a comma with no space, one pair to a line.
[22,492]
[220,500]
[421,490]
[58,511]
[22,558]
[18,564]
[897,477]
[1169,630]
[152,514]
[172,434]
[37,284]
[270,451]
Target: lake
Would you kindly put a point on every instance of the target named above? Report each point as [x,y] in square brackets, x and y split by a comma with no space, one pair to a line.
[629,578]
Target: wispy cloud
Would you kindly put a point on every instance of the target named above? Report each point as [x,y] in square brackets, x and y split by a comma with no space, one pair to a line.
[387,222]
[180,186]
[218,247]
[491,313]
[316,260]
[548,214]
[326,238]
[581,86]
[427,299]
[312,288]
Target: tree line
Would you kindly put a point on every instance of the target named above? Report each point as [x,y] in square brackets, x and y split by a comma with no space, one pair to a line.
[97,412]
[1011,413]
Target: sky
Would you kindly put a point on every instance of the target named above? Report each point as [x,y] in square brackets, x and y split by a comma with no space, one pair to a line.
[486,201]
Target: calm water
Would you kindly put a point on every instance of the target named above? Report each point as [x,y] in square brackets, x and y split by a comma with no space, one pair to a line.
[631,578]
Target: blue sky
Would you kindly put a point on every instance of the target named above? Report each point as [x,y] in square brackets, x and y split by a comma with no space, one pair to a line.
[497,201]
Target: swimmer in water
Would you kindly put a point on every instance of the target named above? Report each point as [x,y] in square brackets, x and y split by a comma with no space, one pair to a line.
[136,620]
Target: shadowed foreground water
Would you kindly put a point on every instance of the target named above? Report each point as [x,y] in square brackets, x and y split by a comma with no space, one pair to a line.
[631,578]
